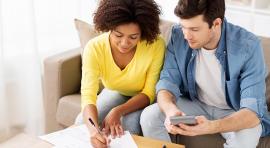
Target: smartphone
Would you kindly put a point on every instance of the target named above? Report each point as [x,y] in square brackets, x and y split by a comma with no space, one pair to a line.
[190,120]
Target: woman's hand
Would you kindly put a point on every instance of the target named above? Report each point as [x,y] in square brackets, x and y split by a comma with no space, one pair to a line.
[112,123]
[98,139]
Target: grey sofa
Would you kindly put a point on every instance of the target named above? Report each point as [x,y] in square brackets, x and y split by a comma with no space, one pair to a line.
[62,76]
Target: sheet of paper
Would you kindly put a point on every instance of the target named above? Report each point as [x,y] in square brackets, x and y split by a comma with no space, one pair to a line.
[123,142]
[78,137]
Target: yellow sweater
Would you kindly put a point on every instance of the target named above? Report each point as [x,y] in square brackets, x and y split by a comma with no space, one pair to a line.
[139,76]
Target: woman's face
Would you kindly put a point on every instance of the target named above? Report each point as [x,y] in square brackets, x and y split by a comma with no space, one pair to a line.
[124,38]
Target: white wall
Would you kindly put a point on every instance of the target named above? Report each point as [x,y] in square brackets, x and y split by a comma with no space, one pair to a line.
[249,19]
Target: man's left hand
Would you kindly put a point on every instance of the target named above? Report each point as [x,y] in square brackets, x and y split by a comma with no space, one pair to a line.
[203,126]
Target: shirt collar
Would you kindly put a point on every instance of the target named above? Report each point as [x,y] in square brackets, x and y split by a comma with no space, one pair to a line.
[222,42]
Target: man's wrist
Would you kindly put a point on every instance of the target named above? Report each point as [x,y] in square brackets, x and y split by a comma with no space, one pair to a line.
[216,126]
[172,111]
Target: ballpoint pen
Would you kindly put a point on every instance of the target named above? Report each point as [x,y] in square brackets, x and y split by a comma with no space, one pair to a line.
[91,121]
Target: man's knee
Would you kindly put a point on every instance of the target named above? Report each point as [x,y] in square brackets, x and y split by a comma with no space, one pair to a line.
[249,138]
[246,138]
[150,115]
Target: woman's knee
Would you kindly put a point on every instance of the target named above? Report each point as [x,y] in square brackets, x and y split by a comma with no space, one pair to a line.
[107,100]
[113,97]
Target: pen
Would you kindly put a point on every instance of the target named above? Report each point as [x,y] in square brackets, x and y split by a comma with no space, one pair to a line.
[91,121]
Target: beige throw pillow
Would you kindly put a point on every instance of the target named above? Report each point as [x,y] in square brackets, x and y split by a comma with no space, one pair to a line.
[85,32]
[166,29]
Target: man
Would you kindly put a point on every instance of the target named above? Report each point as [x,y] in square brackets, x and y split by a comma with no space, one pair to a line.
[215,71]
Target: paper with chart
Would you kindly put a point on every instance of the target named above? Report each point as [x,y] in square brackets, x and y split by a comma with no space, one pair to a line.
[78,137]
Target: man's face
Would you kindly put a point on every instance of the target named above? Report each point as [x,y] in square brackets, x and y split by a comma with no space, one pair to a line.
[197,32]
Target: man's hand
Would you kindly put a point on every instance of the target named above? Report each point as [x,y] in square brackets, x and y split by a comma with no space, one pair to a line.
[169,113]
[203,126]
[112,123]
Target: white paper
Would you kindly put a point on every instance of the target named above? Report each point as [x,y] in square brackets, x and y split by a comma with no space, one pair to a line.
[123,142]
[78,137]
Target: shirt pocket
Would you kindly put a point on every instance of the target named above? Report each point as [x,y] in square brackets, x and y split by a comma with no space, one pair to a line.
[233,87]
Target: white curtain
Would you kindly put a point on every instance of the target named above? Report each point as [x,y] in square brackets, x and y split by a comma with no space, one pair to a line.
[29,31]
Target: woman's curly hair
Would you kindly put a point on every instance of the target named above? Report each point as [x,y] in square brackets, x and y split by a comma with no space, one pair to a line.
[145,13]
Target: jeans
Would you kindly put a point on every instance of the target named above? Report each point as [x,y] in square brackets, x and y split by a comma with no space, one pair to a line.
[109,99]
[152,123]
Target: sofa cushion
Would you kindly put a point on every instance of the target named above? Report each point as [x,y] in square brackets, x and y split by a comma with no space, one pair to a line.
[85,32]
[68,108]
[165,29]
[266,47]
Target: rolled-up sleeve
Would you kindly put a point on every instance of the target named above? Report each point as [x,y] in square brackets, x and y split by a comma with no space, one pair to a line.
[170,78]
[252,80]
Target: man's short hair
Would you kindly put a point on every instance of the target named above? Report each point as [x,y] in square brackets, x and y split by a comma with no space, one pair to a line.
[210,9]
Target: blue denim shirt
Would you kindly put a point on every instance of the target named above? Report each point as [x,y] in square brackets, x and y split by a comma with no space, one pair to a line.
[245,69]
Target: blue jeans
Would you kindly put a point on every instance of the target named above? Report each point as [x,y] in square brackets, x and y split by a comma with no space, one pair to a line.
[109,99]
[152,123]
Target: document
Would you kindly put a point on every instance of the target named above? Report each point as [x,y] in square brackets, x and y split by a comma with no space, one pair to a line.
[78,137]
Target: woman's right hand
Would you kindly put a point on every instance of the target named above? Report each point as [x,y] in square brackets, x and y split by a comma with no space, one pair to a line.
[112,123]
[98,140]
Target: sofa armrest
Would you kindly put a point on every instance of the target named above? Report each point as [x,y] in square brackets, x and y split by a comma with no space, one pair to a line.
[62,76]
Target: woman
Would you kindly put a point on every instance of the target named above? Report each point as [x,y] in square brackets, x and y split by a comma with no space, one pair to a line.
[127,58]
